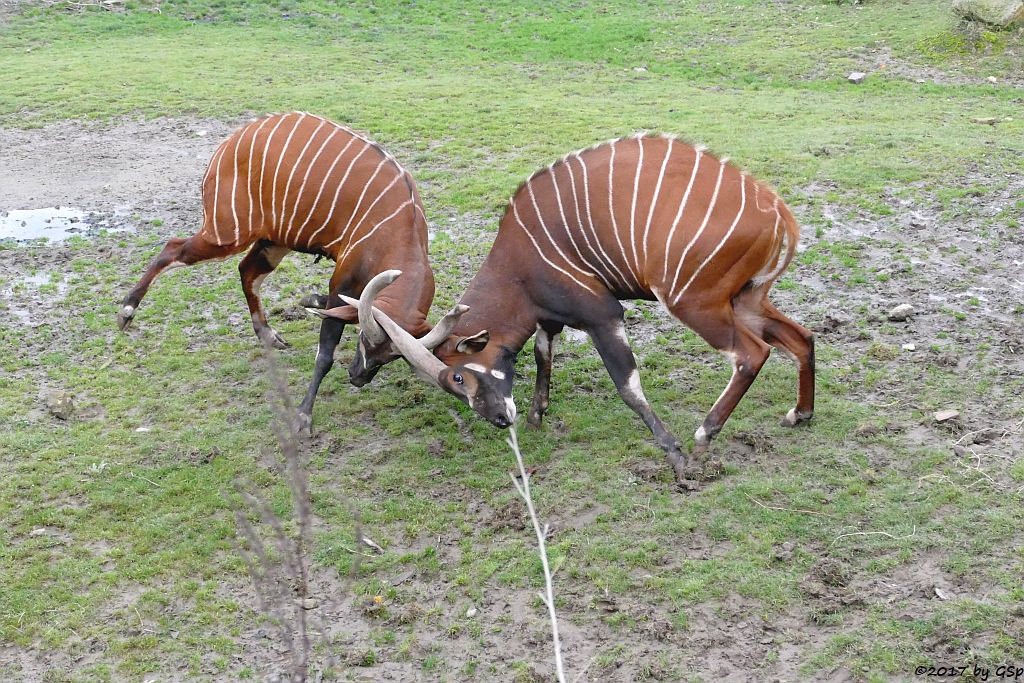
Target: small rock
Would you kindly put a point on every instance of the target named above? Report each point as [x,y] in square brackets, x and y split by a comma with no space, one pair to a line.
[640,69]
[857,77]
[60,404]
[992,79]
[986,120]
[946,415]
[909,347]
[866,429]
[310,603]
[202,133]
[471,612]
[901,313]
[143,429]
[940,594]
[41,531]
[920,81]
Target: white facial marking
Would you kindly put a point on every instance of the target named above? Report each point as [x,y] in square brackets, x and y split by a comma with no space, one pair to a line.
[497,374]
[476,367]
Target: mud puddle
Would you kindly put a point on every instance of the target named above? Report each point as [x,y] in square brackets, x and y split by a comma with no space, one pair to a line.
[56,224]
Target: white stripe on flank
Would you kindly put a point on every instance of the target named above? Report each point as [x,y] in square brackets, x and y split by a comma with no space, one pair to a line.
[607,260]
[368,235]
[277,170]
[337,191]
[234,183]
[579,223]
[565,223]
[779,240]
[611,207]
[515,212]
[540,217]
[302,187]
[679,214]
[632,210]
[721,243]
[355,228]
[263,162]
[216,193]
[323,184]
[248,184]
[355,210]
[654,199]
[700,231]
[291,175]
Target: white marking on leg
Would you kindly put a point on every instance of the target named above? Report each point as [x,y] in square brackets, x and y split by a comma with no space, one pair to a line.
[128,311]
[302,187]
[337,190]
[611,207]
[291,175]
[654,199]
[701,437]
[515,212]
[543,342]
[700,231]
[632,210]
[620,334]
[633,386]
[679,213]
[605,259]
[721,243]
[544,227]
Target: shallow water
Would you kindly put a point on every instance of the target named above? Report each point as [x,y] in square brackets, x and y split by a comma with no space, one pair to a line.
[52,223]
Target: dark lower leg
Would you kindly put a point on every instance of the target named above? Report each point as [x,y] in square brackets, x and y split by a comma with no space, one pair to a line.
[330,334]
[798,342]
[177,252]
[749,354]
[543,352]
[618,358]
[261,260]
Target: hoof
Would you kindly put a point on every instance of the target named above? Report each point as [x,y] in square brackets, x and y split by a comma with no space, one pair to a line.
[125,316]
[313,300]
[795,417]
[304,425]
[687,474]
[534,421]
[270,337]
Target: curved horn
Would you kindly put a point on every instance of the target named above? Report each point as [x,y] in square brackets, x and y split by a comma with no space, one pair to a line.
[443,328]
[373,332]
[422,361]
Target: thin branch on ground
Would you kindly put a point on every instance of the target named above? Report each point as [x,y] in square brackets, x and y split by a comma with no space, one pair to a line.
[549,595]
[873,533]
[782,509]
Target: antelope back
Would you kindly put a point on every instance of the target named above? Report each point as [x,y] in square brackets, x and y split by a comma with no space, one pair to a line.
[307,183]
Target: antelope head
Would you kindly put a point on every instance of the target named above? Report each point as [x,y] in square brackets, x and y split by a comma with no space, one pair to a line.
[488,391]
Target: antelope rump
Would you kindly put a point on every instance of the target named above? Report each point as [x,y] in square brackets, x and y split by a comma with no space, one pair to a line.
[298,182]
[645,217]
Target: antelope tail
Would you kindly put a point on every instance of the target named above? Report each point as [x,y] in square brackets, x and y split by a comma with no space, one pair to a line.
[783,253]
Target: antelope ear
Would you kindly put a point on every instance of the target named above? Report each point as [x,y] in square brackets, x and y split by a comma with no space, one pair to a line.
[347,314]
[474,343]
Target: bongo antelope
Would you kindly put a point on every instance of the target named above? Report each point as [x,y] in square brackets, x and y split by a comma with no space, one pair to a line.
[298,182]
[645,217]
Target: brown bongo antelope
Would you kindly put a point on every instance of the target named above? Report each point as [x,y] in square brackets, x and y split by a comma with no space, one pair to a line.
[298,182]
[645,217]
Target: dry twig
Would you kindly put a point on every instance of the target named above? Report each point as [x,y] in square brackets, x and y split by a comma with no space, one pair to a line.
[549,595]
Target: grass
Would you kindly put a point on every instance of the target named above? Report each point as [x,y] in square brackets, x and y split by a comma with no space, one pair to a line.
[133,568]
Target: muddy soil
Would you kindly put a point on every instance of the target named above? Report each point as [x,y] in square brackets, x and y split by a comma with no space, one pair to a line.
[950,262]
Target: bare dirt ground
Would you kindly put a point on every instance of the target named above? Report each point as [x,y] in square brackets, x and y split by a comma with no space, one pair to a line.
[153,168]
